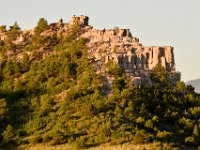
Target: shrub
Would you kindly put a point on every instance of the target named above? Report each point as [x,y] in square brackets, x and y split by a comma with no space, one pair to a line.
[140,120]
[163,135]
[118,84]
[189,140]
[196,131]
[2,28]
[141,137]
[113,68]
[35,139]
[149,124]
[8,134]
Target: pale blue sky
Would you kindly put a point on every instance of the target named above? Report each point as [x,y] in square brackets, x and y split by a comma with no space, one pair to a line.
[155,22]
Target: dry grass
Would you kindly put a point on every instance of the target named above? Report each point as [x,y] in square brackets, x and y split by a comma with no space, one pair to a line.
[45,147]
[153,146]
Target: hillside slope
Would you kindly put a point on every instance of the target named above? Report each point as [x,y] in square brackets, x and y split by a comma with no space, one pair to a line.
[195,84]
[52,91]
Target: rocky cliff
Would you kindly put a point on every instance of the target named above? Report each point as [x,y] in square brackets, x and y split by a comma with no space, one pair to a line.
[115,45]
[118,45]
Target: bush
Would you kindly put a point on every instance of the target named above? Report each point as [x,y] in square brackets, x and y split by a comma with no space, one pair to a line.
[113,68]
[149,124]
[2,28]
[77,146]
[35,139]
[118,84]
[163,135]
[140,120]
[189,140]
[141,137]
[8,134]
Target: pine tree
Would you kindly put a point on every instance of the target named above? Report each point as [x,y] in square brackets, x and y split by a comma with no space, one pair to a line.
[13,32]
[42,25]
[25,62]
[8,134]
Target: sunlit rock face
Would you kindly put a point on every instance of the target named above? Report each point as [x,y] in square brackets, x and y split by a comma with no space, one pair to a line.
[119,46]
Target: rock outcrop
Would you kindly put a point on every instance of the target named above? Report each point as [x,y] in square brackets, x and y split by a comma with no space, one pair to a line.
[119,46]
[82,20]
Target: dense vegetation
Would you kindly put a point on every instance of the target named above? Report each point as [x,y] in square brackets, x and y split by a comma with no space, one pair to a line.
[60,99]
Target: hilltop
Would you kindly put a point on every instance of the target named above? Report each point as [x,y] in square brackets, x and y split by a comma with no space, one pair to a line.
[67,83]
[195,83]
[104,46]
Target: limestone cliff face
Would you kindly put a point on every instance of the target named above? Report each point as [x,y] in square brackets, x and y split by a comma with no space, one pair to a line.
[116,45]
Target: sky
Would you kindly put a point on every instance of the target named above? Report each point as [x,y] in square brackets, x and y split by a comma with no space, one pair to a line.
[155,22]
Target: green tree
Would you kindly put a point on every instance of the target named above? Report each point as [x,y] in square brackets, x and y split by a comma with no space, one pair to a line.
[3,113]
[2,28]
[42,25]
[8,134]
[38,40]
[1,72]
[8,69]
[113,68]
[13,32]
[119,84]
[159,74]
[25,62]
